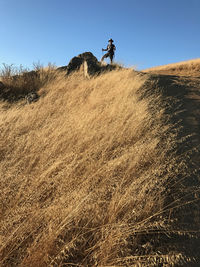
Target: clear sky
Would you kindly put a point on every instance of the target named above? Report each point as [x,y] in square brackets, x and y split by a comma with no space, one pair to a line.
[146,32]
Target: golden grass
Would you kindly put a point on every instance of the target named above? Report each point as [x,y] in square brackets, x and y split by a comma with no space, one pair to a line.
[86,176]
[184,68]
[18,82]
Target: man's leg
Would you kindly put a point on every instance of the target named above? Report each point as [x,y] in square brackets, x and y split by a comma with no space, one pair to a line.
[105,56]
[111,58]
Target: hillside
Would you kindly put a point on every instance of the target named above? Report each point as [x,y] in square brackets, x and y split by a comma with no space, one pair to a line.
[101,171]
[189,68]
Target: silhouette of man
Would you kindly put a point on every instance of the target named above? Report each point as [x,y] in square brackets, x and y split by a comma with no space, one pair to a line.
[111,51]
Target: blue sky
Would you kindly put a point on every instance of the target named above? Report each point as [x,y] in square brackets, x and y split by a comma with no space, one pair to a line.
[146,32]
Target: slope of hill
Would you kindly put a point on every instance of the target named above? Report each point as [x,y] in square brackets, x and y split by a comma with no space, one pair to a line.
[101,172]
[185,68]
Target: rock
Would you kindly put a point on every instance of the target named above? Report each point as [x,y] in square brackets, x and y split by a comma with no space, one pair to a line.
[88,56]
[91,65]
[91,68]
[31,97]
[76,62]
[109,67]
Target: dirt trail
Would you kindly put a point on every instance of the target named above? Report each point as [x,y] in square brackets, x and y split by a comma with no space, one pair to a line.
[182,98]
[185,93]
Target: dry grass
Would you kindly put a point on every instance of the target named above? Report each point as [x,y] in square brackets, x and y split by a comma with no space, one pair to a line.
[88,175]
[184,68]
[18,81]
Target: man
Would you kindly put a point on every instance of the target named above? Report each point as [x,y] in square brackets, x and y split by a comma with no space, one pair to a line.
[111,51]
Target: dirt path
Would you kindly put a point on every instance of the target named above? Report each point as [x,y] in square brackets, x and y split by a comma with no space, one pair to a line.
[182,98]
[185,95]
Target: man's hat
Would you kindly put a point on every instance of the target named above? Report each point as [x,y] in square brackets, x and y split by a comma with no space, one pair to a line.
[110,40]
